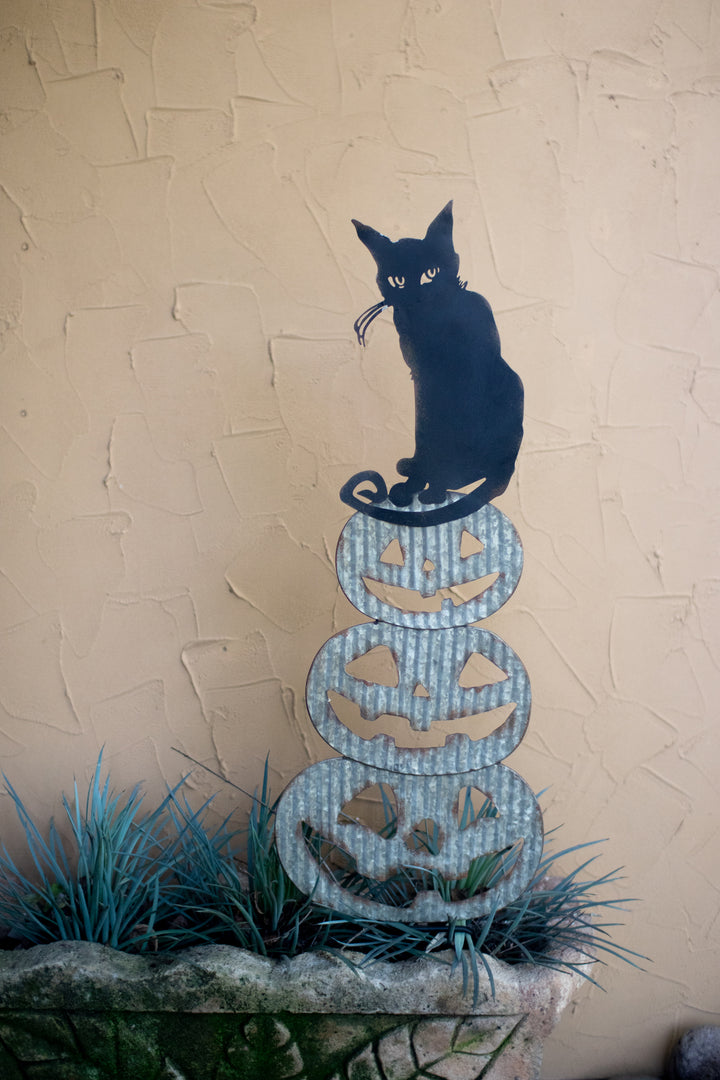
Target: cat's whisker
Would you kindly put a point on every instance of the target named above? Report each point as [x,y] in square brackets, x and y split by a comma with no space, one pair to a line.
[363,321]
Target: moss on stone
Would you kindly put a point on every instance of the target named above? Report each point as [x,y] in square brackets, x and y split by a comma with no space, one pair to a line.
[85,1012]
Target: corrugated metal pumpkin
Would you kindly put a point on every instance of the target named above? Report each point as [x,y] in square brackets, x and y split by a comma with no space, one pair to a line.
[426,578]
[315,800]
[432,662]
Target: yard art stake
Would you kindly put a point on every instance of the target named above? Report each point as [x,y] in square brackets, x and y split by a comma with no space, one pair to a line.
[425,561]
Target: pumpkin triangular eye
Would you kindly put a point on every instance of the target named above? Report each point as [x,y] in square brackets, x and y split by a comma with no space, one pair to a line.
[470,545]
[377,666]
[375,807]
[393,554]
[478,671]
[474,804]
[420,691]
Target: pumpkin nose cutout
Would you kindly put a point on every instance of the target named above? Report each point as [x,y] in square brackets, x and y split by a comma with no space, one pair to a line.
[425,835]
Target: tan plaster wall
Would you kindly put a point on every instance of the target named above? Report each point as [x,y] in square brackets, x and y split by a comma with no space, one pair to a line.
[182,397]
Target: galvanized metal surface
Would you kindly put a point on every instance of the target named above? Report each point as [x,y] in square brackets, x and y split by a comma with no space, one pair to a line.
[432,567]
[433,659]
[316,799]
[425,585]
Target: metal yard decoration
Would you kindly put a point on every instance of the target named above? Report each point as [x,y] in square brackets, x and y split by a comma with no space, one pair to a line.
[468,401]
[425,562]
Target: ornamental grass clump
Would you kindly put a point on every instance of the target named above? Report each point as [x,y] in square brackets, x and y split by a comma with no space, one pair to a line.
[164,879]
[230,886]
[104,879]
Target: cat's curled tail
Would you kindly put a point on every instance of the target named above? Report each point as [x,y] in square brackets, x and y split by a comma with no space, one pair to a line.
[466,504]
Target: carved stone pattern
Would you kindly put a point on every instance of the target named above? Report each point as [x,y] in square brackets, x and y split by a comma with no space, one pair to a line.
[168,1046]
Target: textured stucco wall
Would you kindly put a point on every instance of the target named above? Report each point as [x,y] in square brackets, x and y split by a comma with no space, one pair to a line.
[182,397]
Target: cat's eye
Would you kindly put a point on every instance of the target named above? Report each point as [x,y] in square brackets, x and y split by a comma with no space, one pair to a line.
[397,282]
[427,275]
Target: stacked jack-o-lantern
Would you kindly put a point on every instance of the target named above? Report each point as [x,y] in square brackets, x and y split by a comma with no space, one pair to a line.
[423,587]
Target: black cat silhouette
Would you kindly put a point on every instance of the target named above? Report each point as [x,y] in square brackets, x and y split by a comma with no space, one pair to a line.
[468,401]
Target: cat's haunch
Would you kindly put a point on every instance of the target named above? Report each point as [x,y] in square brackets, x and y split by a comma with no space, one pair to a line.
[468,401]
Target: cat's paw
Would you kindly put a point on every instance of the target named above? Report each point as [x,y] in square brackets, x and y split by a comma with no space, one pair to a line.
[402,494]
[433,495]
[405,466]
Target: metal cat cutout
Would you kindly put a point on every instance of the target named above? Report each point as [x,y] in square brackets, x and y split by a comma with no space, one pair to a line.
[468,401]
[425,731]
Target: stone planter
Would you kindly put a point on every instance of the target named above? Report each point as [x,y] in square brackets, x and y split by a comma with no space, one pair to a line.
[76,1011]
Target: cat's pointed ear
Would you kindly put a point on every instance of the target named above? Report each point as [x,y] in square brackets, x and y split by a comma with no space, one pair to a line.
[374,241]
[440,230]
